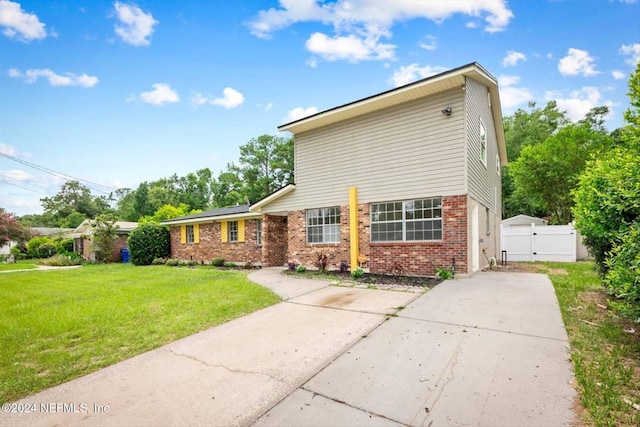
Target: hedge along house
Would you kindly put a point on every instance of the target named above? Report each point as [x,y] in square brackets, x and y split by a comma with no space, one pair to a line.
[232,233]
[404,180]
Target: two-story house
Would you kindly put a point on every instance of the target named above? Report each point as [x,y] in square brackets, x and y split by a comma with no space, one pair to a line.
[404,180]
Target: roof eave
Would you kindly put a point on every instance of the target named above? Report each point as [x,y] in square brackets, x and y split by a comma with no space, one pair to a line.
[257,207]
[205,219]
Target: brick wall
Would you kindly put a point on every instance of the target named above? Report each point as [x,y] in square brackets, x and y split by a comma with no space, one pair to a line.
[274,240]
[414,257]
[211,247]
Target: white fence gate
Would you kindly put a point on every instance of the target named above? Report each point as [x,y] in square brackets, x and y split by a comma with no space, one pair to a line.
[540,242]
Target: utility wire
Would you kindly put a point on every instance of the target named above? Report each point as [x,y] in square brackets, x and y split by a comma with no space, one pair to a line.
[59,174]
[2,179]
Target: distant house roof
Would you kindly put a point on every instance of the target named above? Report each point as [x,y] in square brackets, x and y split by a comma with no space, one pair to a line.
[523,220]
[451,79]
[51,231]
[86,228]
[229,212]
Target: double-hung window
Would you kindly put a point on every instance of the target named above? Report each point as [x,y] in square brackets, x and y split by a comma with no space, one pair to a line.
[191,235]
[409,220]
[232,231]
[259,232]
[323,225]
[483,145]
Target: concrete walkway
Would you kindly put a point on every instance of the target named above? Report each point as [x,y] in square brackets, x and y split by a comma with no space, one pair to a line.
[489,350]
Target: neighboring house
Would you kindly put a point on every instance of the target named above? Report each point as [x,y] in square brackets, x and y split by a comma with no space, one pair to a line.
[51,232]
[84,245]
[399,181]
[232,233]
[520,220]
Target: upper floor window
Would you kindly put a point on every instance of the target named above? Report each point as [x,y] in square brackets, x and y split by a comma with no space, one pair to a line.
[483,144]
[498,164]
[191,235]
[409,220]
[323,225]
[232,231]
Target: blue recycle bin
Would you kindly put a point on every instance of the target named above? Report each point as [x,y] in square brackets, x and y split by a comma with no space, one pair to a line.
[124,254]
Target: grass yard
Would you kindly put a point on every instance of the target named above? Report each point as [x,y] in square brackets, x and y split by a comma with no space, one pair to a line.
[19,265]
[57,325]
[604,350]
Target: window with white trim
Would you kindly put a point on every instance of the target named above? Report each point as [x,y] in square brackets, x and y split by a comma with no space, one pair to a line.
[409,220]
[497,164]
[323,225]
[259,232]
[232,231]
[191,235]
[483,144]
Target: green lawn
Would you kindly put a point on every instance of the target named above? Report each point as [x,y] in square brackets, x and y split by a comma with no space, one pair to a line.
[19,265]
[605,356]
[59,325]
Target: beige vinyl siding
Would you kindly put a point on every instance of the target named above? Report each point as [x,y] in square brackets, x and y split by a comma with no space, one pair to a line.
[484,184]
[403,152]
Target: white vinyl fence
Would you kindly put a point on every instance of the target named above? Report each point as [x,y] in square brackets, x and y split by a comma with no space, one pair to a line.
[541,243]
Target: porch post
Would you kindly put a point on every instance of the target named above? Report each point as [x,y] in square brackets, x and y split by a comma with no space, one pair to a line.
[354,244]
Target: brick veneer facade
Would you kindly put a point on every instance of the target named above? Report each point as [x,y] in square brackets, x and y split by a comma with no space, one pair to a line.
[415,258]
[211,247]
[274,240]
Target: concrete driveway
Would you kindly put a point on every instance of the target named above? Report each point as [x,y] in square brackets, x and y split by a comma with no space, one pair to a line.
[490,350]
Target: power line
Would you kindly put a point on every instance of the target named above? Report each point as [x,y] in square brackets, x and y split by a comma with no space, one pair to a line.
[2,179]
[64,176]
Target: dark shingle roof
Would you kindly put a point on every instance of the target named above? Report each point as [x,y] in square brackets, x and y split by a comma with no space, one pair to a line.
[229,210]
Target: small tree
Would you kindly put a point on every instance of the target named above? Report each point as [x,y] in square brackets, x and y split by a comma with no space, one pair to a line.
[147,242]
[104,236]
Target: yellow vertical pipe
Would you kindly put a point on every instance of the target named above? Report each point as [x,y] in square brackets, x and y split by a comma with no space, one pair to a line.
[354,241]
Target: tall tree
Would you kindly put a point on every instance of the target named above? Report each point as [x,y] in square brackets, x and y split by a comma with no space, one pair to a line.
[228,188]
[266,164]
[547,172]
[72,197]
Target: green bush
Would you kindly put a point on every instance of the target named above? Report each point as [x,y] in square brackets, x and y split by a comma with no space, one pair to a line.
[158,261]
[218,262]
[64,245]
[17,253]
[148,242]
[63,260]
[357,273]
[47,250]
[172,262]
[34,244]
[623,274]
[230,264]
[301,269]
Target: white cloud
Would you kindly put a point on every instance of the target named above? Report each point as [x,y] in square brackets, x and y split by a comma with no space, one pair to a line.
[299,113]
[351,48]
[632,51]
[19,24]
[359,25]
[161,94]
[68,79]
[428,43]
[512,58]
[135,27]
[510,95]
[17,175]
[412,72]
[579,102]
[618,75]
[231,98]
[577,62]
[7,150]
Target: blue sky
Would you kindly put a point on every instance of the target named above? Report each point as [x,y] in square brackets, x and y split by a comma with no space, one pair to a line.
[117,93]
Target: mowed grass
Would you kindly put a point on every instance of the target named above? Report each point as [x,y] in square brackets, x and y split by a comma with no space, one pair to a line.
[19,265]
[605,348]
[56,325]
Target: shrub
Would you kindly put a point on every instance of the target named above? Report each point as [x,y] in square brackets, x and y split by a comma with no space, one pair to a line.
[301,268]
[623,275]
[63,260]
[158,261]
[64,245]
[35,243]
[17,253]
[148,242]
[443,273]
[343,267]
[357,273]
[321,262]
[46,250]
[217,262]
[230,264]
[173,262]
[292,266]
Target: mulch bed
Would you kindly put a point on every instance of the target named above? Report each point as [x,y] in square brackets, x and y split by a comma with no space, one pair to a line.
[373,279]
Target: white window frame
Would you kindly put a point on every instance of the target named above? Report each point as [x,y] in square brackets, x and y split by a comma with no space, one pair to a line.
[323,225]
[232,231]
[191,234]
[483,144]
[401,212]
[498,169]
